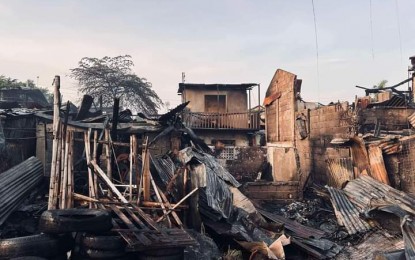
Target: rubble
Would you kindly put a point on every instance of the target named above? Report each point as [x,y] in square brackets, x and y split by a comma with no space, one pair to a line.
[164,191]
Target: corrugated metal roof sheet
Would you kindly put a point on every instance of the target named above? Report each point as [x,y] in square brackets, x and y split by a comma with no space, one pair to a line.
[346,213]
[341,171]
[366,193]
[408,232]
[395,101]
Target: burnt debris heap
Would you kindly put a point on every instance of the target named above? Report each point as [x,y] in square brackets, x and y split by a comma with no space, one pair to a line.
[211,178]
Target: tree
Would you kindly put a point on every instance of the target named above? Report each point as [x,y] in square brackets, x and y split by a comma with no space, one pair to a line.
[112,77]
[381,85]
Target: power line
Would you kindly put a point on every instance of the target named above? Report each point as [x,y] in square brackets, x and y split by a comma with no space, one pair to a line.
[371,29]
[317,56]
[399,28]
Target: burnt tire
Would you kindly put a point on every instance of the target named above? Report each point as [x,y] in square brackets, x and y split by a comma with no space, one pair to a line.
[60,257]
[41,245]
[74,220]
[29,258]
[103,242]
[165,254]
[104,254]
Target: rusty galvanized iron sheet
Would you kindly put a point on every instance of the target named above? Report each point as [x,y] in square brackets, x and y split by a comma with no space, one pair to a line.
[408,232]
[368,193]
[377,165]
[340,171]
[346,212]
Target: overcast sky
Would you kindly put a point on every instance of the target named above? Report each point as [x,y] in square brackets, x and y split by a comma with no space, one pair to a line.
[213,41]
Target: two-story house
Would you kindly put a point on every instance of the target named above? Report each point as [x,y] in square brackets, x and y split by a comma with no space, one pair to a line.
[222,112]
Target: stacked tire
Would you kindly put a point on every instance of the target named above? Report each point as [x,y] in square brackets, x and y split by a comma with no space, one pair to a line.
[56,238]
[36,247]
[101,246]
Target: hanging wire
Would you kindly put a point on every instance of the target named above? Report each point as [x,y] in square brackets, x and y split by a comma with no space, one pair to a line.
[399,28]
[371,29]
[317,56]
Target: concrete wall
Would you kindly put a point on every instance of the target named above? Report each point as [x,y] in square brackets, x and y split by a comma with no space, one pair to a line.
[236,100]
[280,113]
[390,118]
[324,124]
[405,164]
[240,137]
[248,163]
[294,157]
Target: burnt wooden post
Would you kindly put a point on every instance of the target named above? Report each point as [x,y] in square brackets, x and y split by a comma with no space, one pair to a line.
[108,153]
[146,171]
[54,176]
[70,171]
[115,119]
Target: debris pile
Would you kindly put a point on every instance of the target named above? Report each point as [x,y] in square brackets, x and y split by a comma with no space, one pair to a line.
[123,186]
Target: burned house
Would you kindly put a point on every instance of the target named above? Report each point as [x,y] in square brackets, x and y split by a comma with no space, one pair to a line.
[21,97]
[224,117]
[221,112]
[323,143]
[145,183]
[18,124]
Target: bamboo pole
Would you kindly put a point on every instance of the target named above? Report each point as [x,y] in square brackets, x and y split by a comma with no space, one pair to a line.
[88,160]
[148,204]
[58,166]
[52,200]
[70,171]
[131,169]
[146,171]
[135,161]
[64,183]
[53,174]
[108,154]
[94,156]
[61,179]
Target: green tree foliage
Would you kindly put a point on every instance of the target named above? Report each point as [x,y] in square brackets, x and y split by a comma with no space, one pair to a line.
[112,77]
[382,84]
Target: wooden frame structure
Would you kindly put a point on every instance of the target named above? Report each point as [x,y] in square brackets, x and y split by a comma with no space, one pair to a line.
[131,221]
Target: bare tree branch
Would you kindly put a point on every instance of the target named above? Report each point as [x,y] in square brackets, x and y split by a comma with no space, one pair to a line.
[112,77]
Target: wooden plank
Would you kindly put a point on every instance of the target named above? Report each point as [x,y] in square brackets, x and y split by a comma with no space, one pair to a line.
[123,218]
[136,219]
[156,190]
[144,216]
[174,214]
[130,225]
[107,181]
